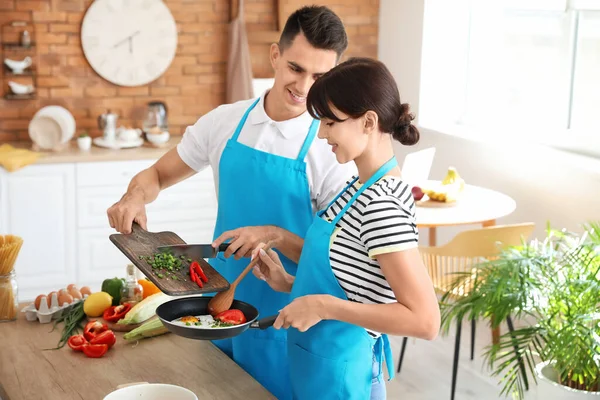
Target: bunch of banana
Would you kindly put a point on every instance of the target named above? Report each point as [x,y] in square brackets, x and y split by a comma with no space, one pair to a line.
[449,190]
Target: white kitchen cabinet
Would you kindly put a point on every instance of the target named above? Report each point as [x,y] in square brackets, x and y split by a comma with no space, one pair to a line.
[38,205]
[60,211]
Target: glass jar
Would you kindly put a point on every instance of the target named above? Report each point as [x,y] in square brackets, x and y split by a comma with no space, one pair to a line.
[132,292]
[9,302]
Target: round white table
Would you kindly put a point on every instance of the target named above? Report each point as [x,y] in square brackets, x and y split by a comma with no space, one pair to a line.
[476,205]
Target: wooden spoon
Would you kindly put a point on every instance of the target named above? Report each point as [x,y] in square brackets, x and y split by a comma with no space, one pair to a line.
[223,300]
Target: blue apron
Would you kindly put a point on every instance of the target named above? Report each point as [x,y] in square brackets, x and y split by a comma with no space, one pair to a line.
[256,189]
[333,359]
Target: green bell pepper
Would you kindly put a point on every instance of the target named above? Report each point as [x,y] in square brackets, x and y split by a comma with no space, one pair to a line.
[113,287]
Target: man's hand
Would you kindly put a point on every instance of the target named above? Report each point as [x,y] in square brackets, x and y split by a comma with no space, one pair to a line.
[245,240]
[270,270]
[130,208]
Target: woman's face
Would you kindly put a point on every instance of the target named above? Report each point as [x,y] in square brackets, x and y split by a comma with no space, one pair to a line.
[348,139]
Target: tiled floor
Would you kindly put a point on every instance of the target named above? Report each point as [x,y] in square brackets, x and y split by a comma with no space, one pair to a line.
[427,369]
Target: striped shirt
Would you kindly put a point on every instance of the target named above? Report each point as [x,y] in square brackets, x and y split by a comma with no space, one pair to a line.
[381,220]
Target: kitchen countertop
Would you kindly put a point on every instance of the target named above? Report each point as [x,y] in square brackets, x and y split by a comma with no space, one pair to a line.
[72,154]
[29,372]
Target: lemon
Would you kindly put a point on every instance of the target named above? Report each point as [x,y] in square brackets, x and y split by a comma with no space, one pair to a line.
[96,303]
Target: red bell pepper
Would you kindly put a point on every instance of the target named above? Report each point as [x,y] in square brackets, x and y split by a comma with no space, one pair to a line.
[95,350]
[107,337]
[77,342]
[199,271]
[234,317]
[194,277]
[115,313]
[93,329]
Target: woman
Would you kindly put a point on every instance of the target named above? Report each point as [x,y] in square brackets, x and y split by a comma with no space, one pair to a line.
[360,275]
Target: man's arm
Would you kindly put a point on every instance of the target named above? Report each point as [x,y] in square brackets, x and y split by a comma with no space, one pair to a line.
[144,188]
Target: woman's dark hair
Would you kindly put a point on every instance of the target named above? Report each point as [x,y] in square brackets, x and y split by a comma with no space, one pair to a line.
[322,28]
[357,86]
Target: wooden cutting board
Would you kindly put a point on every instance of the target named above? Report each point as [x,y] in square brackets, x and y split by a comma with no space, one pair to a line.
[141,243]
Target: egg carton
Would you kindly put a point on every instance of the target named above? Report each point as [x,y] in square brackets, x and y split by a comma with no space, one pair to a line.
[46,314]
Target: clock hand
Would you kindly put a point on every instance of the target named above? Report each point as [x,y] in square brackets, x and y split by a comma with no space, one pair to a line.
[126,39]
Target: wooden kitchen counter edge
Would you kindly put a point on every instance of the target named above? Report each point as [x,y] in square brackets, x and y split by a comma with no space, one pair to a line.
[72,154]
[29,372]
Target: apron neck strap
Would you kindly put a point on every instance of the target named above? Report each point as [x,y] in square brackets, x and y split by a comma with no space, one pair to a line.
[312,132]
[384,169]
[236,134]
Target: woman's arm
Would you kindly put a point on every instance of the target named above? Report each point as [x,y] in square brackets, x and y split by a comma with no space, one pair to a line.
[415,314]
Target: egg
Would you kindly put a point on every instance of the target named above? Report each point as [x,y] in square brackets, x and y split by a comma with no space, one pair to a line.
[49,298]
[38,301]
[73,291]
[64,297]
[85,290]
[71,286]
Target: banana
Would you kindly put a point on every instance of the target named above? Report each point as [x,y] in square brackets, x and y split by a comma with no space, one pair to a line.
[449,190]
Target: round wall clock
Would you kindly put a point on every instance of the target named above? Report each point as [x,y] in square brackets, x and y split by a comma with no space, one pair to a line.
[129,42]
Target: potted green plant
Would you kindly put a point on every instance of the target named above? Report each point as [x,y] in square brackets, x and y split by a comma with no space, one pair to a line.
[553,288]
[84,141]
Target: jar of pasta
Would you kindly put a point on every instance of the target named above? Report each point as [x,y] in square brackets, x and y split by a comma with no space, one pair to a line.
[8,297]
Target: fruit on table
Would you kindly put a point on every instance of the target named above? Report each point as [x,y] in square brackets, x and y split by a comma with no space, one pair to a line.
[95,304]
[113,287]
[148,287]
[144,310]
[449,190]
[417,193]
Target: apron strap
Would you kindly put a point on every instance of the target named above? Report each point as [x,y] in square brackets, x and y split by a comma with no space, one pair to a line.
[385,168]
[383,350]
[312,132]
[236,134]
[320,213]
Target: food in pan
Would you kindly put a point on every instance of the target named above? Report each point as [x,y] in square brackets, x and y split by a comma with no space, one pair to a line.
[223,320]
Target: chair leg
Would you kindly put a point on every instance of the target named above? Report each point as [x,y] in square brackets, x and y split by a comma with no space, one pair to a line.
[473,326]
[455,363]
[511,329]
[404,342]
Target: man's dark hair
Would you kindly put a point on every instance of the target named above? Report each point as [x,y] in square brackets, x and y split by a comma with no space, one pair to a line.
[322,28]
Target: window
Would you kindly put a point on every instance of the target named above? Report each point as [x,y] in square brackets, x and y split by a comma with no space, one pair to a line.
[524,69]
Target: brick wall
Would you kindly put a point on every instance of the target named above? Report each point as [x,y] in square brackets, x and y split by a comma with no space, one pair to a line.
[195,81]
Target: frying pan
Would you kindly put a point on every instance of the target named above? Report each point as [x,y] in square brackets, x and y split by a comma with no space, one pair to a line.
[178,308]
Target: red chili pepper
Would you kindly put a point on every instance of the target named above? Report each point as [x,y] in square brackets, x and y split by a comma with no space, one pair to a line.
[95,350]
[93,329]
[77,342]
[199,271]
[115,313]
[107,337]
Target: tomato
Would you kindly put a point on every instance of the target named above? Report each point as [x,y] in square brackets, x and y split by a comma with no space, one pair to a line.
[107,337]
[234,317]
[95,350]
[115,313]
[93,329]
[77,342]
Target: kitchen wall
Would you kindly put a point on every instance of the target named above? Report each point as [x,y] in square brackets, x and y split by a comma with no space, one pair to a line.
[193,85]
[547,184]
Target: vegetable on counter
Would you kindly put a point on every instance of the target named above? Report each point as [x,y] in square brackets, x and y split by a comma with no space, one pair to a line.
[95,304]
[151,328]
[115,313]
[93,329]
[72,320]
[76,342]
[113,287]
[95,350]
[95,341]
[107,337]
[148,287]
[144,310]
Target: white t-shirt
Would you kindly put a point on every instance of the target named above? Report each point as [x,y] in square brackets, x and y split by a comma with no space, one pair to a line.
[203,143]
[381,220]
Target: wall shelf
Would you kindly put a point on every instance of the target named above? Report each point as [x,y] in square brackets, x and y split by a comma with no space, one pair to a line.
[11,35]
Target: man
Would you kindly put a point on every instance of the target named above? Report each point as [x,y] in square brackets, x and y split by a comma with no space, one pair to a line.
[271,175]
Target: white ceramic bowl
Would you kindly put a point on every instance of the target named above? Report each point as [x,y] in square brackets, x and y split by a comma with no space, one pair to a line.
[158,138]
[151,391]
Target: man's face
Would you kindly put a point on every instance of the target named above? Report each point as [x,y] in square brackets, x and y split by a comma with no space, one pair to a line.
[296,69]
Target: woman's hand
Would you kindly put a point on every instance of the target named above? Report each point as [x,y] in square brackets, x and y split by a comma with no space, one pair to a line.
[270,270]
[303,313]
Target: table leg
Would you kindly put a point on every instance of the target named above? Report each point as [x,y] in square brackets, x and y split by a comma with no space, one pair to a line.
[495,331]
[432,236]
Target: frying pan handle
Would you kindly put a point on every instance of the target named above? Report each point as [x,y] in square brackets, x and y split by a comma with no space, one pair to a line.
[264,323]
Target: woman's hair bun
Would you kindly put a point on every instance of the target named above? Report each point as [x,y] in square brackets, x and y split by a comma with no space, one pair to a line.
[404,131]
